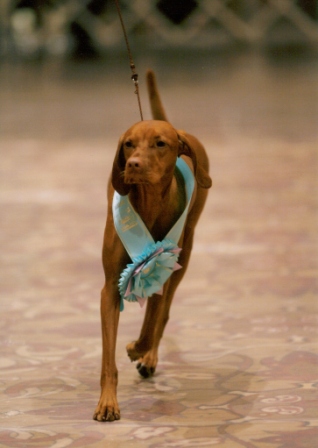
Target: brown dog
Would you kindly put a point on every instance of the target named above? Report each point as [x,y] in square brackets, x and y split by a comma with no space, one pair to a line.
[145,169]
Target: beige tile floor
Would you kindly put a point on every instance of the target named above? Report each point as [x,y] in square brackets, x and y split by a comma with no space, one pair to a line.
[239,361]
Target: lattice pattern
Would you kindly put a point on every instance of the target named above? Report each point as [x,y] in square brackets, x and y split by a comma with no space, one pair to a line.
[158,23]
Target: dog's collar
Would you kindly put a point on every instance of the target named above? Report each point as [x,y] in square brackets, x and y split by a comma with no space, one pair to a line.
[152,262]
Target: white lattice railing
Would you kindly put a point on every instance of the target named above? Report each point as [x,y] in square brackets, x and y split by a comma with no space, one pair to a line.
[152,23]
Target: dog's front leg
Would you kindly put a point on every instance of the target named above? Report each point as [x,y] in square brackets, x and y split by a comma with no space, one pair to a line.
[108,409]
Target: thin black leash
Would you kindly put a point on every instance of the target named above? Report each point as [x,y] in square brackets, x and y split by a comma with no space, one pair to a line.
[134,75]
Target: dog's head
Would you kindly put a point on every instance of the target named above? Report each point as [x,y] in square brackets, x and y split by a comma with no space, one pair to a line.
[147,154]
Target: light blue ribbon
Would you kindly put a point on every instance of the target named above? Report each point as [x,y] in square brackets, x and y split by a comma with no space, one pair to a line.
[152,262]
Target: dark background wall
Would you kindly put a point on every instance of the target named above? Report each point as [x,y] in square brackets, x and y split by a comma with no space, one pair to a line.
[90,28]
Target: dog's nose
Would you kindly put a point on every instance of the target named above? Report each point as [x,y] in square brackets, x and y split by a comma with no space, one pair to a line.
[133,163]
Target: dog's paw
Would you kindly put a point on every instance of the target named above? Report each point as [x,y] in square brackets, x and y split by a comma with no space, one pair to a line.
[107,409]
[145,371]
[146,365]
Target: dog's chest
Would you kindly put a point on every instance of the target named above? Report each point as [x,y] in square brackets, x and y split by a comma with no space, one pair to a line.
[167,213]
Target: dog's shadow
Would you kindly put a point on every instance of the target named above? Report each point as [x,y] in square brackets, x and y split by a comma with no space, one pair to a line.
[216,389]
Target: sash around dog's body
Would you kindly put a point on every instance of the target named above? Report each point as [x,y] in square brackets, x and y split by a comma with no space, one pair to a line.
[152,262]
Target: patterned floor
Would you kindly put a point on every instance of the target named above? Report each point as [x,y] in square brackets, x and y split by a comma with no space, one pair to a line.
[239,361]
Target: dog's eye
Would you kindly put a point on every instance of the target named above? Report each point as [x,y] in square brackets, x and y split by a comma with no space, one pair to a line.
[160,144]
[128,144]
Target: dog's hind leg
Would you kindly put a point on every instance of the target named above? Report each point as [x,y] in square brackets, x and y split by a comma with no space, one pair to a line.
[145,349]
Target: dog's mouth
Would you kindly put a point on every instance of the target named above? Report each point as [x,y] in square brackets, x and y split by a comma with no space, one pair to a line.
[135,180]
[140,175]
[133,176]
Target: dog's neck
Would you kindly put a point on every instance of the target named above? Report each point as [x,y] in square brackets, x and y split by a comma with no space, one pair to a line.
[159,205]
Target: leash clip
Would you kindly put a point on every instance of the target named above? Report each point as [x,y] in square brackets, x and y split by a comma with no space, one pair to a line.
[134,77]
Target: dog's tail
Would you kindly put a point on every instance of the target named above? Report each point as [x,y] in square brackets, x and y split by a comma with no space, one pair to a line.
[157,109]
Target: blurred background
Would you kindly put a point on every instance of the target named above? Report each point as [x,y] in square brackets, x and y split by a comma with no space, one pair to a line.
[60,55]
[89,28]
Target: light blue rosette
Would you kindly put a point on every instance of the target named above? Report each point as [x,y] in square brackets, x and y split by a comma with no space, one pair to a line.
[148,272]
[152,262]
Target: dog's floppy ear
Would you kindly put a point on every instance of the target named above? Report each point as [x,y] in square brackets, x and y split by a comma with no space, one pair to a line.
[185,148]
[118,170]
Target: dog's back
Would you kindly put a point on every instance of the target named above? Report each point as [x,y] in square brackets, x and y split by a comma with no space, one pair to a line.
[158,113]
